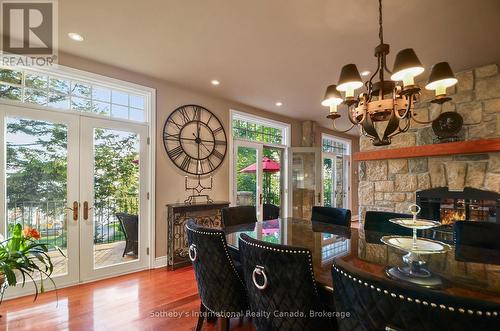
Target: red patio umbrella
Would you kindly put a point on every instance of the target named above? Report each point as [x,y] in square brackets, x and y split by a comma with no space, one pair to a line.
[268,166]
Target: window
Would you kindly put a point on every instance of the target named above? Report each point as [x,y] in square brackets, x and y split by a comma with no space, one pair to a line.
[334,145]
[333,247]
[48,90]
[246,127]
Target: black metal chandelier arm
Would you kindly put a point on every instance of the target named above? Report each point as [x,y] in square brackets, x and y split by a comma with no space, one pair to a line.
[385,67]
[351,117]
[399,130]
[370,89]
[342,131]
[408,108]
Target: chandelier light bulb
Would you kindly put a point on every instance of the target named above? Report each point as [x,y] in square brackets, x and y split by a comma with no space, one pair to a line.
[349,92]
[333,108]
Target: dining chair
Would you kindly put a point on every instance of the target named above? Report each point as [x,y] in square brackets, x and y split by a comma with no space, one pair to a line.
[130,226]
[220,286]
[238,215]
[338,216]
[279,280]
[477,234]
[271,212]
[378,221]
[385,304]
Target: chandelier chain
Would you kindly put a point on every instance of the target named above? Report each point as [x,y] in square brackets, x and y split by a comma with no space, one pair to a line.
[380,29]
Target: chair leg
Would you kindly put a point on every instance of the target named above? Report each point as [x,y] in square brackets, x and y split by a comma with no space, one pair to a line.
[125,250]
[224,324]
[201,317]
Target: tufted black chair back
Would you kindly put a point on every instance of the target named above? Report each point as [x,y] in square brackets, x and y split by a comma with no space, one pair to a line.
[238,215]
[130,227]
[280,278]
[384,304]
[378,221]
[220,287]
[477,234]
[338,216]
[271,212]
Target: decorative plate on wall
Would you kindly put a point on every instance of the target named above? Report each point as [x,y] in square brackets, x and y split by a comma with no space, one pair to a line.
[195,140]
[447,125]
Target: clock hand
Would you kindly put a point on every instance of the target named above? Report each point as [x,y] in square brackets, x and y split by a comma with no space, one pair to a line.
[202,144]
[204,140]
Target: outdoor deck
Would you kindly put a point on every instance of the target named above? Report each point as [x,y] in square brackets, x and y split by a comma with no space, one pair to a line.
[104,255]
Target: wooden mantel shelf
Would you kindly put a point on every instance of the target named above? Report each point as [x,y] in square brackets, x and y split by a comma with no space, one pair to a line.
[461,147]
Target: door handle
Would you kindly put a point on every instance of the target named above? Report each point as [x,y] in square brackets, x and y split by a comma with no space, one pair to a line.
[74,209]
[260,199]
[86,209]
[319,198]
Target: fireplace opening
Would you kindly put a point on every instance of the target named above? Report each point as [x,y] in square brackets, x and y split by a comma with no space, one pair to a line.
[441,205]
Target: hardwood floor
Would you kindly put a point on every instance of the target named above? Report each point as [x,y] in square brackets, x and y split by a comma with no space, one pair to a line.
[138,301]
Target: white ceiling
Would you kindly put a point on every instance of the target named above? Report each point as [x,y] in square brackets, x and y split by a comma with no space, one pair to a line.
[263,51]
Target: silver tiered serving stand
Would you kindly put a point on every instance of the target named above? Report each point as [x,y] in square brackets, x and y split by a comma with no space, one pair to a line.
[414,271]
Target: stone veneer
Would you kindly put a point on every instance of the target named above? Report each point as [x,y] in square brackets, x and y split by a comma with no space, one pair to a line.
[390,185]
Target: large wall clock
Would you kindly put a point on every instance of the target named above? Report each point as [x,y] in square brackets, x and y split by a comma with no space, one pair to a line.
[195,140]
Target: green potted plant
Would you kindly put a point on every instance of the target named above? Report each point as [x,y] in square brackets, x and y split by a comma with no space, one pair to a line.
[22,256]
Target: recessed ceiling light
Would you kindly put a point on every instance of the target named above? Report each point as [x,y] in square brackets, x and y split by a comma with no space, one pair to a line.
[75,36]
[365,73]
[279,104]
[215,82]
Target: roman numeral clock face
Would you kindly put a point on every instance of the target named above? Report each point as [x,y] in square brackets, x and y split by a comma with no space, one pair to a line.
[195,140]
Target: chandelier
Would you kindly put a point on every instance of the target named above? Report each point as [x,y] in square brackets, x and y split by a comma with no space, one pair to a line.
[391,100]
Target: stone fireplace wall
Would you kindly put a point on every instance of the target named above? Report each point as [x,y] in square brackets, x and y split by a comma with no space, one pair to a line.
[390,185]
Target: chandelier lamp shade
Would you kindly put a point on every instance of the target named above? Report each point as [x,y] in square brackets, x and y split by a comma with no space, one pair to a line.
[332,99]
[386,99]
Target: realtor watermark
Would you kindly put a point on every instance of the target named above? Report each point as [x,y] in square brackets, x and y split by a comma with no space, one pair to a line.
[252,314]
[29,32]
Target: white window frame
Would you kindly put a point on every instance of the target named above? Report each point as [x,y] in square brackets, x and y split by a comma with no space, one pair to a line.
[150,121]
[87,78]
[286,138]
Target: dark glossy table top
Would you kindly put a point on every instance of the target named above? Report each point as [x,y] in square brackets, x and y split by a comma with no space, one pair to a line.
[468,272]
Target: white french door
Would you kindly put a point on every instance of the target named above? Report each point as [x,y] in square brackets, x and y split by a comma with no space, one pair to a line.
[41,143]
[247,176]
[103,238]
[69,175]
[305,180]
[335,179]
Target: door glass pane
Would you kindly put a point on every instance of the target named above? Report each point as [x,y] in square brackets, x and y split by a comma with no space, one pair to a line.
[116,197]
[272,182]
[339,181]
[303,184]
[327,182]
[36,173]
[246,176]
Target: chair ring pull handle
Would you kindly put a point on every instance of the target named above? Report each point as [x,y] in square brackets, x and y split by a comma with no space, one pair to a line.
[192,249]
[259,271]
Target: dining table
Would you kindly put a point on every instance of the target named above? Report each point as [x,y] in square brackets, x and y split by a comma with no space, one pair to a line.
[468,272]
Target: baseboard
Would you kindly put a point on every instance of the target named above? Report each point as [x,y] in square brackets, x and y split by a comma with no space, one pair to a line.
[160,262]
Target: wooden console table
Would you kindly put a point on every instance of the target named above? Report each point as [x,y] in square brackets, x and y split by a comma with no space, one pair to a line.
[205,214]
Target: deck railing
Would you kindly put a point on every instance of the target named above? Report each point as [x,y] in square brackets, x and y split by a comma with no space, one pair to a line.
[50,219]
